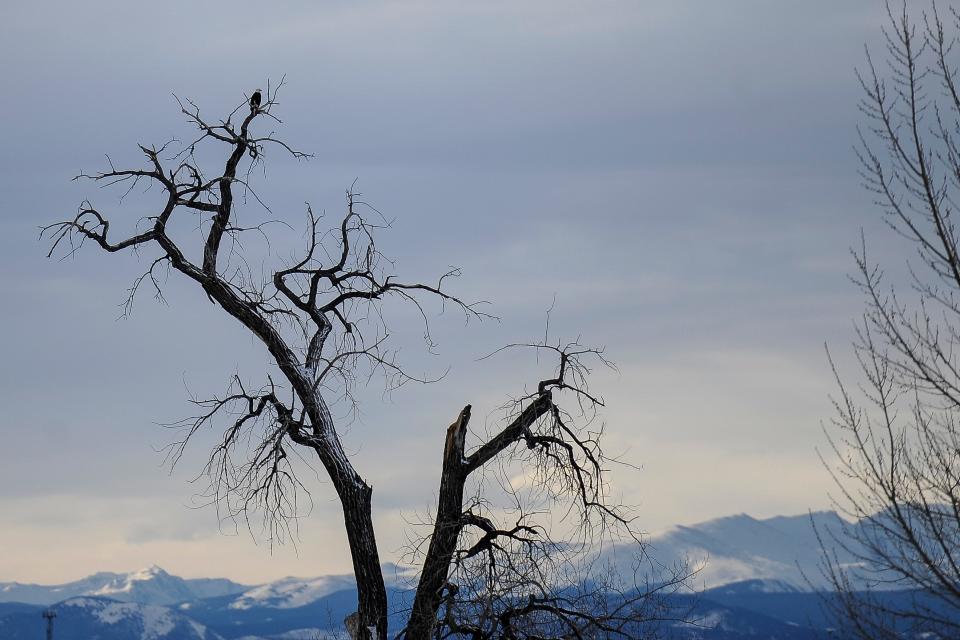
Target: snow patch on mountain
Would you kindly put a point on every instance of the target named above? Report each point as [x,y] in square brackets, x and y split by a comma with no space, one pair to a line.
[142,622]
[157,622]
[290,592]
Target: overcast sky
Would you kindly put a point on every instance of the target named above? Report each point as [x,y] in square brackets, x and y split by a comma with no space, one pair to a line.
[675,178]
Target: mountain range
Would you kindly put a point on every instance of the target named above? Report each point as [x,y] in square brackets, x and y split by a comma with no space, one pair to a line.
[759,578]
[148,586]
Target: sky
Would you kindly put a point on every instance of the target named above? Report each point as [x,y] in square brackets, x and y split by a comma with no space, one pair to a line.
[675,180]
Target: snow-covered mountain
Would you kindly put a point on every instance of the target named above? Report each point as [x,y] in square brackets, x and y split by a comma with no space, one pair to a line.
[776,554]
[86,617]
[147,586]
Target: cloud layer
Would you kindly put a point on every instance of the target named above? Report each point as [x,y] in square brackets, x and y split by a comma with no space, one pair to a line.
[675,178]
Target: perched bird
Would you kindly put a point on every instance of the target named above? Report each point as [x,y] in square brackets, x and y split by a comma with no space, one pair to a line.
[255,100]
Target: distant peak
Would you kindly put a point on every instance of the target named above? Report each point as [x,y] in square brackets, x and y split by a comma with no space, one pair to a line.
[152,571]
[737,517]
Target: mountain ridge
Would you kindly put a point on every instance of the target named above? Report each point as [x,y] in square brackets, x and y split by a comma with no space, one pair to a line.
[779,550]
[152,585]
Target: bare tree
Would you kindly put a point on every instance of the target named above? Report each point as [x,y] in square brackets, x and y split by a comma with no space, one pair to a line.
[322,319]
[896,434]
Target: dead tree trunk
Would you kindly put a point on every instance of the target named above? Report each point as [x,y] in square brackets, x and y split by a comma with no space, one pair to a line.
[450,518]
[446,532]
[371,592]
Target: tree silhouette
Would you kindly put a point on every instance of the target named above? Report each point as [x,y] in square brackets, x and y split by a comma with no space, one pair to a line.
[896,431]
[322,320]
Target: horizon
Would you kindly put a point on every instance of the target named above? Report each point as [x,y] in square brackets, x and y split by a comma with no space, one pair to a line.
[400,567]
[673,181]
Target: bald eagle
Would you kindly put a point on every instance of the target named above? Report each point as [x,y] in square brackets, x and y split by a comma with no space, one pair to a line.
[255,101]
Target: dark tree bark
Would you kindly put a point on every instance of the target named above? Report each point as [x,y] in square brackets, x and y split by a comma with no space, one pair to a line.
[446,532]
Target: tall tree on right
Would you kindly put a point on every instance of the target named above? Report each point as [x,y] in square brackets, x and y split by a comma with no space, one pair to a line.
[896,429]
